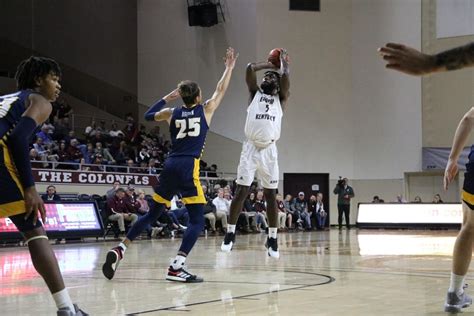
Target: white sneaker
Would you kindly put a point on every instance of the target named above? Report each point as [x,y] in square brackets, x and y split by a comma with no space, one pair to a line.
[272,248]
[228,242]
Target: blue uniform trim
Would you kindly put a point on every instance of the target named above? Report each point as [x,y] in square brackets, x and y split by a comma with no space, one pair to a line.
[155,108]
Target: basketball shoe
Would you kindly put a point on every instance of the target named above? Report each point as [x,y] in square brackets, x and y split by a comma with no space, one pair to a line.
[228,242]
[272,247]
[114,256]
[181,275]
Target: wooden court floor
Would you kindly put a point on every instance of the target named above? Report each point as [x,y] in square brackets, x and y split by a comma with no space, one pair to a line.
[352,272]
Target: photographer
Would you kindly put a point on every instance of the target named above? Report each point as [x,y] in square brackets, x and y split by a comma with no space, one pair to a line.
[345,194]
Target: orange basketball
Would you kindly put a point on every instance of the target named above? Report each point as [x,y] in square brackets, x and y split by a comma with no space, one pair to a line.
[274,57]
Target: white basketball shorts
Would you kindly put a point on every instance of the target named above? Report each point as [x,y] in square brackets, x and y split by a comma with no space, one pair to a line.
[262,161]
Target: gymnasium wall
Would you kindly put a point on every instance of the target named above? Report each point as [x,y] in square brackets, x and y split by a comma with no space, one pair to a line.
[347,115]
[95,37]
[446,96]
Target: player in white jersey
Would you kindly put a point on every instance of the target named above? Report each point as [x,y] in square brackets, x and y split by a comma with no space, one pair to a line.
[259,152]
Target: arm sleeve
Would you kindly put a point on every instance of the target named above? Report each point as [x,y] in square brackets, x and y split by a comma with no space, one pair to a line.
[18,145]
[150,114]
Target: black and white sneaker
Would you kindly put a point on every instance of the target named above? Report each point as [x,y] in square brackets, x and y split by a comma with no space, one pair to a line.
[67,312]
[114,256]
[272,247]
[228,242]
[181,275]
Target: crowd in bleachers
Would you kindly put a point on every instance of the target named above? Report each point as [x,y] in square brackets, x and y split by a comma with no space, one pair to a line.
[129,148]
[124,206]
[400,199]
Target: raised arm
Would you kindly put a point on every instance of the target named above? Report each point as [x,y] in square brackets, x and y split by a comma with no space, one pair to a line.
[213,103]
[285,78]
[156,112]
[413,62]
[460,138]
[251,75]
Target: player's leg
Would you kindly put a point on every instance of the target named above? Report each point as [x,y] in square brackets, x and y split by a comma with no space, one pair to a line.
[236,205]
[245,176]
[193,197]
[176,270]
[462,254]
[116,254]
[164,191]
[268,172]
[45,263]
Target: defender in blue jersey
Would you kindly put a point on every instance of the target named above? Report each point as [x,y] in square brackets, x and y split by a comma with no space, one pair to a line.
[413,62]
[20,114]
[188,128]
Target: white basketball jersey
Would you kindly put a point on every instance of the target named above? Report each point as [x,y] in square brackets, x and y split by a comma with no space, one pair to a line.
[263,123]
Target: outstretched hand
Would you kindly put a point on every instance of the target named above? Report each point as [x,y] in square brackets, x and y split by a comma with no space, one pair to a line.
[450,172]
[284,57]
[406,59]
[173,95]
[230,58]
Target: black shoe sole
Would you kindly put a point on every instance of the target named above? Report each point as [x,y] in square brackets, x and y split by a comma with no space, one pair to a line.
[107,269]
[198,280]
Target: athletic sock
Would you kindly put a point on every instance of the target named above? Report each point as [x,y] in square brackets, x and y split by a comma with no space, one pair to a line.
[272,232]
[178,262]
[456,284]
[63,300]
[123,247]
[231,228]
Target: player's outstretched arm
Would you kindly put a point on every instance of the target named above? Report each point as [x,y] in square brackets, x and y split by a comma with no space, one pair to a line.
[251,75]
[411,61]
[285,78]
[156,112]
[460,138]
[213,103]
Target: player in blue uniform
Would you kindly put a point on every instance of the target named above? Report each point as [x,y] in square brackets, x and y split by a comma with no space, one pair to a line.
[413,62]
[188,128]
[20,114]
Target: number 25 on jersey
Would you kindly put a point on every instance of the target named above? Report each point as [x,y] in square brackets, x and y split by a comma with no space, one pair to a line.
[190,127]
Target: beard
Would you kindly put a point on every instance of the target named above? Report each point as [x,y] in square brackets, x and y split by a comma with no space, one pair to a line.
[268,87]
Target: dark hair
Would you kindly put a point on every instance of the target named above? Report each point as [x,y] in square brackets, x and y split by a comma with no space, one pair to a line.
[51,186]
[33,68]
[271,72]
[189,91]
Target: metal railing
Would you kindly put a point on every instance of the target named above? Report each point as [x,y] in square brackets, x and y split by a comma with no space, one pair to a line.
[79,122]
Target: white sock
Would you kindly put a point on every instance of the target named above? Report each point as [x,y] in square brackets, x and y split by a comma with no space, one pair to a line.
[456,284]
[231,228]
[272,232]
[63,300]
[178,262]
[122,245]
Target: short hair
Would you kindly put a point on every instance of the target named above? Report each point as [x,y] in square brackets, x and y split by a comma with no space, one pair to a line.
[33,68]
[272,72]
[189,91]
[51,186]
[119,190]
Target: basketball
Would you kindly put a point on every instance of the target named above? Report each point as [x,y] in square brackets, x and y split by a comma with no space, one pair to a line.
[274,56]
